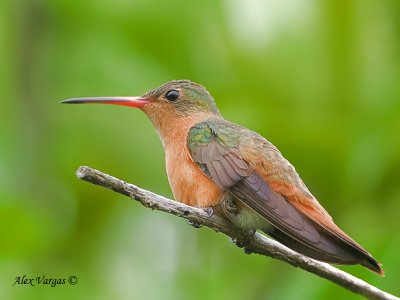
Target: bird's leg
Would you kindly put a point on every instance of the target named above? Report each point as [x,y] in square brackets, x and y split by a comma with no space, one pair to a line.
[229,208]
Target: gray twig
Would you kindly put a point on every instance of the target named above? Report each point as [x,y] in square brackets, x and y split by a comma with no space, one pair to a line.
[251,242]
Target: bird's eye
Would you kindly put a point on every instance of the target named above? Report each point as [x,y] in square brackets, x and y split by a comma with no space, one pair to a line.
[172,95]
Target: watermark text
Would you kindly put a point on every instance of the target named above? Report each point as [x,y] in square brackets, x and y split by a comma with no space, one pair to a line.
[44,280]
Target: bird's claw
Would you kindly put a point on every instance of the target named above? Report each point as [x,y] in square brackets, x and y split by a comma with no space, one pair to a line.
[194,224]
[209,211]
[242,243]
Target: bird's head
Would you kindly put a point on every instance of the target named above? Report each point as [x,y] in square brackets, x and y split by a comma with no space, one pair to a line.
[174,100]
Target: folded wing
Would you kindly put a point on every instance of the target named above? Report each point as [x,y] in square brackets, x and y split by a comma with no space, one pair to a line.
[216,147]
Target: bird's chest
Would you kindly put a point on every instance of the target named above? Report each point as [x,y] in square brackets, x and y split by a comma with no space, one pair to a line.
[188,183]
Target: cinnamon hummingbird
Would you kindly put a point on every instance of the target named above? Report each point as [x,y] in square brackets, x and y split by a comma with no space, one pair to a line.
[212,162]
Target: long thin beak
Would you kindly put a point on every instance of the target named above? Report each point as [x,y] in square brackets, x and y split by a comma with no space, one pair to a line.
[126,101]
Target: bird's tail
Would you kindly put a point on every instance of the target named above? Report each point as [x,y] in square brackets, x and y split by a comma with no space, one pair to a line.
[345,255]
[373,265]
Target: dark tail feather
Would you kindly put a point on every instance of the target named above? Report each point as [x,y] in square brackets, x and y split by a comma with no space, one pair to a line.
[373,265]
[346,255]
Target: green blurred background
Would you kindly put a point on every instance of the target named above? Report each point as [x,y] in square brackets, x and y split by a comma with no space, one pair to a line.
[320,79]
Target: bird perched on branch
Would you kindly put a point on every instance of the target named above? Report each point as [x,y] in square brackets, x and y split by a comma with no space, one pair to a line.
[212,162]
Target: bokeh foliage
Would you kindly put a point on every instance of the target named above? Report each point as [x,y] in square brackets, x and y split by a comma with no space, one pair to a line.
[320,79]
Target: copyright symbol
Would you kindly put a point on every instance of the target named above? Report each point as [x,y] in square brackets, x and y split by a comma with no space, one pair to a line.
[72,280]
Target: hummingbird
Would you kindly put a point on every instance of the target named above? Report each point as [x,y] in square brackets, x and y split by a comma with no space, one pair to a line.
[214,163]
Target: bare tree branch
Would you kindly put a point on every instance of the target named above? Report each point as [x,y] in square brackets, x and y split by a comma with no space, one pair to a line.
[251,243]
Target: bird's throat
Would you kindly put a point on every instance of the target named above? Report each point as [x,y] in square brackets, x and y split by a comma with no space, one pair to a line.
[188,183]
[173,129]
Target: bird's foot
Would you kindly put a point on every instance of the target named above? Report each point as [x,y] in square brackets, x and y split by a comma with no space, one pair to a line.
[194,224]
[227,206]
[209,211]
[244,240]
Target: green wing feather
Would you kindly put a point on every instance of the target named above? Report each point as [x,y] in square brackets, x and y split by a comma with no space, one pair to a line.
[213,147]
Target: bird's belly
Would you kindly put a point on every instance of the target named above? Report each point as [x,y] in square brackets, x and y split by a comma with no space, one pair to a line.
[188,183]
